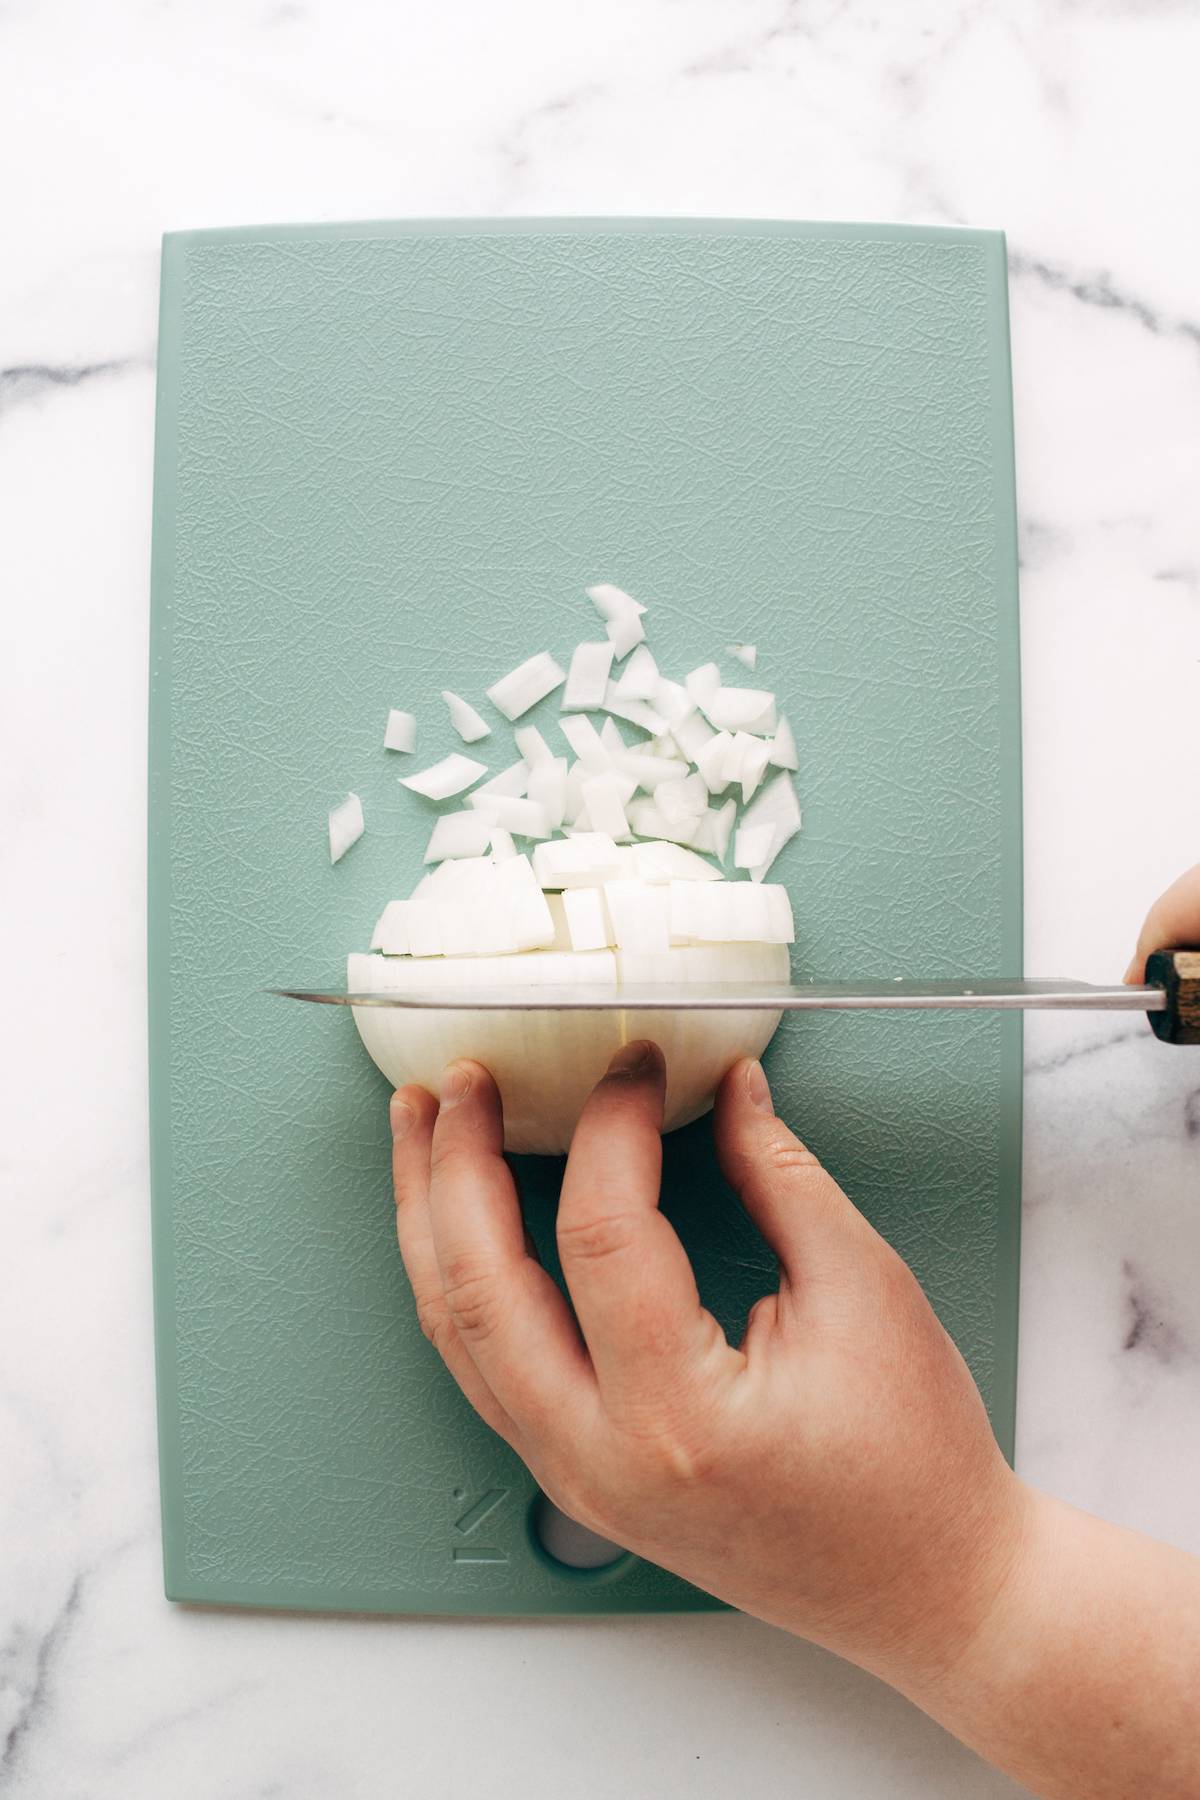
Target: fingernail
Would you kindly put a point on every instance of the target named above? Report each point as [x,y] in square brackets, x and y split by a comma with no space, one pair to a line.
[630,1059]
[455,1084]
[402,1116]
[757,1091]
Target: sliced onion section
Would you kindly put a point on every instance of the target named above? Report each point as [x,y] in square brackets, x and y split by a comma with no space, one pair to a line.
[400,732]
[525,685]
[443,779]
[346,826]
[465,720]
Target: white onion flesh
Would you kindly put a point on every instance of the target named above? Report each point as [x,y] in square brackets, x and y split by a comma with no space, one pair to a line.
[783,748]
[525,685]
[587,677]
[513,780]
[638,712]
[444,779]
[618,886]
[612,602]
[400,732]
[532,745]
[460,834]
[346,826]
[465,720]
[624,633]
[546,1064]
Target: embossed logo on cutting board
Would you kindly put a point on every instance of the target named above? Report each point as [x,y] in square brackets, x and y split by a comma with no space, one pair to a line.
[468,1523]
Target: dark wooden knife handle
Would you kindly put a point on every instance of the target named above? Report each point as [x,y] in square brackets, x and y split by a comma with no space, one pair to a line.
[1178,971]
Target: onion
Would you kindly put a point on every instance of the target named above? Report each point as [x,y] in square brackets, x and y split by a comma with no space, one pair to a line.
[590,905]
[783,748]
[465,720]
[624,632]
[346,826]
[546,1064]
[446,778]
[401,731]
[587,677]
[525,685]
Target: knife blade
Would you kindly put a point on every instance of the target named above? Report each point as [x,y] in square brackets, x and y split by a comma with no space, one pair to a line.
[1002,994]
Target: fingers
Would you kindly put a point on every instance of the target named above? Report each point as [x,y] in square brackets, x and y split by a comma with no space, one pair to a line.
[507,1311]
[797,1205]
[628,1274]
[413,1112]
[1173,923]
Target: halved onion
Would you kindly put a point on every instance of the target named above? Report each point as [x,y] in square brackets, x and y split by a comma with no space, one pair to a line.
[546,1064]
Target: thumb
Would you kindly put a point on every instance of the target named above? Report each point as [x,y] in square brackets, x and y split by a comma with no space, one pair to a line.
[801,1211]
[1173,922]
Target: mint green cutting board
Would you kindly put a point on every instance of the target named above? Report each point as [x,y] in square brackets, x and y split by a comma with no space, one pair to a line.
[390,457]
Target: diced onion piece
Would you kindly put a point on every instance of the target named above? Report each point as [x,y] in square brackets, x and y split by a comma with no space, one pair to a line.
[610,737]
[424,928]
[639,678]
[638,712]
[426,885]
[532,745]
[391,932]
[460,875]
[745,653]
[586,918]
[702,683]
[649,821]
[781,927]
[751,755]
[673,701]
[586,860]
[460,834]
[740,709]
[503,848]
[783,748]
[605,809]
[586,742]
[776,805]
[400,732]
[716,830]
[648,770]
[691,735]
[513,780]
[639,913]
[682,800]
[587,677]
[446,778]
[573,802]
[525,685]
[346,826]
[711,762]
[612,602]
[525,818]
[752,845]
[465,720]
[624,633]
[659,862]
[548,787]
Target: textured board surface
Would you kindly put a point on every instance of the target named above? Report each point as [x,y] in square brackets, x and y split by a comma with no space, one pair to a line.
[389,459]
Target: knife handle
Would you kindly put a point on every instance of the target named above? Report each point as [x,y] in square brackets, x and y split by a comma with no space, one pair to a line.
[1178,971]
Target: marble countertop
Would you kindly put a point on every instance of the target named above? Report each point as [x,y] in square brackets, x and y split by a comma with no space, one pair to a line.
[1068,126]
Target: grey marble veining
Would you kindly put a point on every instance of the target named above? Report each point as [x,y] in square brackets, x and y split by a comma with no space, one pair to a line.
[1067,125]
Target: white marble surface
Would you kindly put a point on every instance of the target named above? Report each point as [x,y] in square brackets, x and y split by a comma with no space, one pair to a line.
[1071,126]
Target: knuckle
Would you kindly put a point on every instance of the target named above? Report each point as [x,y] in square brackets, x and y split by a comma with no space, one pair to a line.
[436,1324]
[786,1154]
[472,1300]
[596,1240]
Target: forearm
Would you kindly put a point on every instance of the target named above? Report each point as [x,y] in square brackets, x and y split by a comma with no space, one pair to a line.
[1083,1681]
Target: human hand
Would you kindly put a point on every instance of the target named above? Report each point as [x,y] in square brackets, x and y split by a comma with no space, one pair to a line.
[1172,923]
[834,1474]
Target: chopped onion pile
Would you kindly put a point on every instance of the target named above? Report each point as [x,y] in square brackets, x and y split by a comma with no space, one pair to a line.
[595,858]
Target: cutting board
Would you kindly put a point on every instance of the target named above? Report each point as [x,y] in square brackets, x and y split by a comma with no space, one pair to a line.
[389,459]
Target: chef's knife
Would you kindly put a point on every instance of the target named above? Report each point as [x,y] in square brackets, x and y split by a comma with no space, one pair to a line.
[1170,997]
